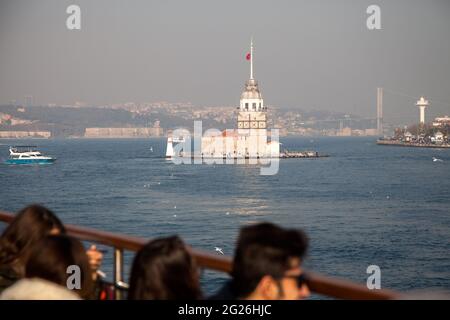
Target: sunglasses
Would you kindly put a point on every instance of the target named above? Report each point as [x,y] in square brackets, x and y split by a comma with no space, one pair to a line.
[301,279]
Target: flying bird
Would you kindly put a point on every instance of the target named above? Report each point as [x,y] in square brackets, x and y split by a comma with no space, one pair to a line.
[219,250]
[437,160]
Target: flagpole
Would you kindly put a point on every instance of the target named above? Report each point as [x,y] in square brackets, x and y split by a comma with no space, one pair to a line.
[251,58]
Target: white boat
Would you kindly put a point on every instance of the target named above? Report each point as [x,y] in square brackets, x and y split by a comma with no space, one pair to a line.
[27,155]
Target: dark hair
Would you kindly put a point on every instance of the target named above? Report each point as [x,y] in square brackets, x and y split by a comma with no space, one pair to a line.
[164,270]
[50,258]
[29,226]
[264,249]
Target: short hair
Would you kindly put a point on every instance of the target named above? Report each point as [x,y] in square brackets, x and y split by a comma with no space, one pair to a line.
[29,226]
[51,257]
[164,270]
[264,249]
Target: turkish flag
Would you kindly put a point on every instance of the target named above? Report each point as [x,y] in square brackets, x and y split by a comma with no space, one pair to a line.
[247,56]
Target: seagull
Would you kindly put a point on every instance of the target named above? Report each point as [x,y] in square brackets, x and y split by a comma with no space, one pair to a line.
[151,149]
[219,250]
[437,160]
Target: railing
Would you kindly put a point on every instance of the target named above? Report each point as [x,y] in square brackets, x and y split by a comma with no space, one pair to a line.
[317,283]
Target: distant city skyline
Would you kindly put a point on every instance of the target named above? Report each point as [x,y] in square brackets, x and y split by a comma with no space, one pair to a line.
[310,55]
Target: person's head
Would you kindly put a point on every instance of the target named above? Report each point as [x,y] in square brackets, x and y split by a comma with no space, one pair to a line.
[30,225]
[164,270]
[50,259]
[267,263]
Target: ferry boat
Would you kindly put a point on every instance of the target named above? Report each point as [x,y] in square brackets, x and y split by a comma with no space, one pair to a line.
[27,155]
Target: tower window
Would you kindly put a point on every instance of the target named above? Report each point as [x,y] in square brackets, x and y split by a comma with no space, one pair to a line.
[254,106]
[246,105]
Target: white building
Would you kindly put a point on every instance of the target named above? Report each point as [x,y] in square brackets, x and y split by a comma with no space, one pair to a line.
[441,121]
[438,137]
[408,136]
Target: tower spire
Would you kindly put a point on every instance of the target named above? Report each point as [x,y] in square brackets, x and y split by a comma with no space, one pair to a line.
[251,58]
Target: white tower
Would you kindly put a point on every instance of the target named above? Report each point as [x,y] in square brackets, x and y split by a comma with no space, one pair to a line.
[252,119]
[252,113]
[422,104]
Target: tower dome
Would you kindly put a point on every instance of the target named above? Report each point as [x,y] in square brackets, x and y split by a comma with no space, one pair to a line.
[251,90]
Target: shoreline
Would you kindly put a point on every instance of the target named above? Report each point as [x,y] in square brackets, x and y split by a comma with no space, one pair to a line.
[411,144]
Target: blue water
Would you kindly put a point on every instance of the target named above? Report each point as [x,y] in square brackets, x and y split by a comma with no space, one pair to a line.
[364,205]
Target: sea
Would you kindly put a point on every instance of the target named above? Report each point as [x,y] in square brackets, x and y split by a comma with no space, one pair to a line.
[363,205]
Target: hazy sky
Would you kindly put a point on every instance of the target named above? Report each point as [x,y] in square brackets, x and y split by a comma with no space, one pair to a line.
[308,54]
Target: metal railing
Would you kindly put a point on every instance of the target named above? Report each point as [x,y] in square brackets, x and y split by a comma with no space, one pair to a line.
[317,283]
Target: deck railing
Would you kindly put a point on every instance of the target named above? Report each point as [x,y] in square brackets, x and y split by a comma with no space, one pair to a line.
[317,283]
